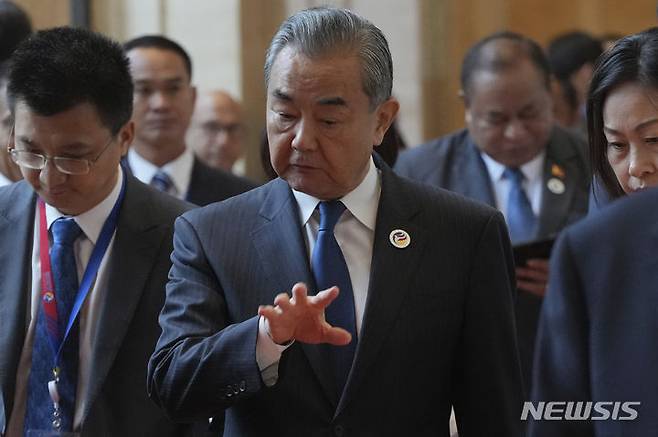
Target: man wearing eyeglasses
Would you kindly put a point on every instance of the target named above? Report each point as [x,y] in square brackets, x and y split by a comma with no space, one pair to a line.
[216,131]
[85,251]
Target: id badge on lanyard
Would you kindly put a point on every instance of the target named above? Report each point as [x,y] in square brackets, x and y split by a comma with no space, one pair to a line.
[49,297]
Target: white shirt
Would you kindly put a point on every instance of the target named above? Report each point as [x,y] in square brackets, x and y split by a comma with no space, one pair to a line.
[355,234]
[179,171]
[4,180]
[91,223]
[533,171]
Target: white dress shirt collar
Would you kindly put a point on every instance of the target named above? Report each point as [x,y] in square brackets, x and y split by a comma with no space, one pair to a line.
[179,170]
[532,170]
[4,180]
[91,222]
[362,201]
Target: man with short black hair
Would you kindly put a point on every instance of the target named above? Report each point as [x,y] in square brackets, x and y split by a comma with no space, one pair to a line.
[163,104]
[85,248]
[339,298]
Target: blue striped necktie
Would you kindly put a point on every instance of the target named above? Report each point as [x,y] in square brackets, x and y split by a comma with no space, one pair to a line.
[329,269]
[520,217]
[39,411]
[162,181]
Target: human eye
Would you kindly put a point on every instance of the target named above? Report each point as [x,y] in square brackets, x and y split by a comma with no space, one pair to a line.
[616,145]
[173,88]
[494,119]
[143,90]
[651,140]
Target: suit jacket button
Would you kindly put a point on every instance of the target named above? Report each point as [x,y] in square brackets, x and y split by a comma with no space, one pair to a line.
[243,385]
[339,430]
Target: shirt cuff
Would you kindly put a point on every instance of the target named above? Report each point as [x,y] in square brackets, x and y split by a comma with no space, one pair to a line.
[268,354]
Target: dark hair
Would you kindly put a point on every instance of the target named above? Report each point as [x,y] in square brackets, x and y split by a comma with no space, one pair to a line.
[567,54]
[323,31]
[392,144]
[15,26]
[633,58]
[485,56]
[56,69]
[162,43]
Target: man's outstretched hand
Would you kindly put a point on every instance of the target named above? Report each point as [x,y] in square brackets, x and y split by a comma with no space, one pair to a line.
[301,317]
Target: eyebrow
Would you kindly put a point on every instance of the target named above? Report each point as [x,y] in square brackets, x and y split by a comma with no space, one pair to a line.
[66,148]
[637,128]
[326,101]
[149,81]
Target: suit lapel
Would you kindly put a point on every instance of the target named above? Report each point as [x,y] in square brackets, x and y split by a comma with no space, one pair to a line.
[136,244]
[558,190]
[391,274]
[280,244]
[469,175]
[17,230]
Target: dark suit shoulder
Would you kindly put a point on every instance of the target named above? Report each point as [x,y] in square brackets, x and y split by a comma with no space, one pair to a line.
[425,157]
[633,216]
[450,206]
[240,208]
[209,184]
[147,203]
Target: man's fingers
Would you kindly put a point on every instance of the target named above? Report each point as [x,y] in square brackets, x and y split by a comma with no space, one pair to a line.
[536,288]
[537,275]
[539,264]
[267,311]
[324,298]
[337,336]
[299,292]
[283,300]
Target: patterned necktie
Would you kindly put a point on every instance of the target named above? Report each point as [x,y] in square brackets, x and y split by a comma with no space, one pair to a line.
[329,269]
[39,412]
[520,218]
[162,181]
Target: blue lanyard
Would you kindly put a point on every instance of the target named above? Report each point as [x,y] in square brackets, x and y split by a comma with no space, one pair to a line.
[90,273]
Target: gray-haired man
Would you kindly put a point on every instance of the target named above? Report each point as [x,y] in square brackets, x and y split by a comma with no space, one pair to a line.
[422,318]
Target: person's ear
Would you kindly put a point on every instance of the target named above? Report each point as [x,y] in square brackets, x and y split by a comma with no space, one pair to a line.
[125,137]
[386,113]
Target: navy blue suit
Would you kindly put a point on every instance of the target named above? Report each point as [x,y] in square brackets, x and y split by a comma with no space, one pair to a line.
[438,328]
[455,163]
[598,332]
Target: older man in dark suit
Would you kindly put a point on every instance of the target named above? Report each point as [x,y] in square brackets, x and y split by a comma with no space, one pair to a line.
[163,105]
[511,156]
[392,301]
[85,248]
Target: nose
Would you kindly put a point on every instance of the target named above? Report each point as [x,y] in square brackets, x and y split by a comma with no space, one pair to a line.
[49,176]
[515,129]
[304,137]
[641,162]
[159,101]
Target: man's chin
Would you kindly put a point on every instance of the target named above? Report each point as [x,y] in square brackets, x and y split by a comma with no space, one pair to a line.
[61,202]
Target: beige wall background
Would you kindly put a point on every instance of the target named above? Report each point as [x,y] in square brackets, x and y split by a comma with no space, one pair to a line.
[227,40]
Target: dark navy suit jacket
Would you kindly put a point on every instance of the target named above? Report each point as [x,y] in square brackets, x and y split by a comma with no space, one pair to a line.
[207,184]
[116,400]
[454,162]
[438,328]
[598,333]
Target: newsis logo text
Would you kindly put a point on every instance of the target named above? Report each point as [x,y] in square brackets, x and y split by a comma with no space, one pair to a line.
[580,410]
